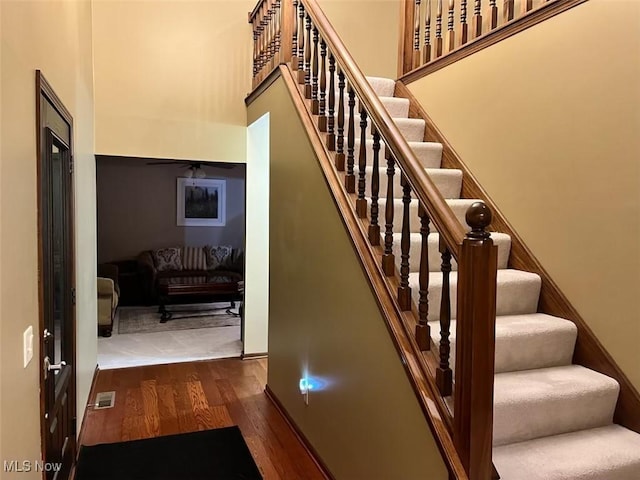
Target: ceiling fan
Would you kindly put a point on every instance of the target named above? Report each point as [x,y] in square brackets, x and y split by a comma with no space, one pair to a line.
[194,169]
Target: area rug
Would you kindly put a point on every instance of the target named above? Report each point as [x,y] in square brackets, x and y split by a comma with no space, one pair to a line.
[219,454]
[186,317]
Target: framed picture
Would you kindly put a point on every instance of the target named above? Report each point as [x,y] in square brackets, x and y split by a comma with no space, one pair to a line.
[201,202]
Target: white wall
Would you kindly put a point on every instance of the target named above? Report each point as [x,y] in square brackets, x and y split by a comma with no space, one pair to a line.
[257,259]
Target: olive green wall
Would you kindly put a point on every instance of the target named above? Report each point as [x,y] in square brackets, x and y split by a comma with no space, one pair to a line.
[324,321]
[549,122]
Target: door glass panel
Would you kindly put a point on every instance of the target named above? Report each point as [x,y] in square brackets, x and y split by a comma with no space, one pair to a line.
[58,233]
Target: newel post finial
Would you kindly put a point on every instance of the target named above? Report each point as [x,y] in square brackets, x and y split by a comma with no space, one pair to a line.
[478,217]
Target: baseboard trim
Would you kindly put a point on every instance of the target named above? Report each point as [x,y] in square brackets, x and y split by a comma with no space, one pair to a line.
[299,435]
[254,356]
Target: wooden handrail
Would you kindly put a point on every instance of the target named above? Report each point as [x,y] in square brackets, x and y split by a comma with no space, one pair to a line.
[310,36]
[422,186]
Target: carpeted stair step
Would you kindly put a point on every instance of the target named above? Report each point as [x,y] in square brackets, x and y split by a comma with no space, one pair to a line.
[396,107]
[605,453]
[448,181]
[524,342]
[502,240]
[517,292]
[384,87]
[428,153]
[550,401]
[412,129]
[459,207]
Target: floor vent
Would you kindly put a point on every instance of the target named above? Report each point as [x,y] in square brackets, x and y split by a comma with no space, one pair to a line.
[105,400]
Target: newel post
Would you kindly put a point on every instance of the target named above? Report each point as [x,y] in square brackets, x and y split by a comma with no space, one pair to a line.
[475,345]
[406,37]
[288,19]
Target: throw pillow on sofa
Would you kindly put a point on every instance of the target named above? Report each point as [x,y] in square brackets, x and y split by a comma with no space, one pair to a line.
[194,258]
[167,259]
[218,256]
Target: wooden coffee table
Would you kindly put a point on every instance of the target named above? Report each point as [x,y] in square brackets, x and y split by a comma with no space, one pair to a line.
[223,287]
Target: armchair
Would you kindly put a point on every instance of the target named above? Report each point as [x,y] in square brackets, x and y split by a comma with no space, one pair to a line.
[108,296]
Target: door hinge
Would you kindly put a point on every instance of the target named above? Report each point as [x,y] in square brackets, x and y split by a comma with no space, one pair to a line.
[74,427]
[71,165]
[73,295]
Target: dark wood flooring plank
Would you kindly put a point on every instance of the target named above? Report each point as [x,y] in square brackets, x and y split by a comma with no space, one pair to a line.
[150,407]
[186,397]
[167,411]
[185,414]
[262,458]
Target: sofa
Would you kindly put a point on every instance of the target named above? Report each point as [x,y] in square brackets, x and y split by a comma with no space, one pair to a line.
[181,263]
[108,297]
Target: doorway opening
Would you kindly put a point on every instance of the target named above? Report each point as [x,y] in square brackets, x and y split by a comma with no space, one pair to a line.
[171,243]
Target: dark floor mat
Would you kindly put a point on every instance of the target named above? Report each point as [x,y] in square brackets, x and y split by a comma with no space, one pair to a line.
[219,454]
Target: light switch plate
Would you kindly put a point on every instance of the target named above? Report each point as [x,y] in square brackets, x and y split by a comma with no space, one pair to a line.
[27,343]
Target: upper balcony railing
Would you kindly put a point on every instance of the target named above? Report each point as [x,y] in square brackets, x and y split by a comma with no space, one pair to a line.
[439,32]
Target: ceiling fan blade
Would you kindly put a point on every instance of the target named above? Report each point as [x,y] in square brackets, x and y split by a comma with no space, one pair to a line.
[194,164]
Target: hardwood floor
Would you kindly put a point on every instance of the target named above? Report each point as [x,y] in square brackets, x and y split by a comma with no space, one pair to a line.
[185,397]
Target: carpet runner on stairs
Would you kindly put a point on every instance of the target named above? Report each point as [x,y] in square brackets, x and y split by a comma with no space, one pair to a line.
[552,420]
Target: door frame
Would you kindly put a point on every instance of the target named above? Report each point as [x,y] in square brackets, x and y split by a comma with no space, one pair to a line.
[44,91]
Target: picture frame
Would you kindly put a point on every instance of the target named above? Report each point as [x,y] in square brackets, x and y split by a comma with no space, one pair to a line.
[201,202]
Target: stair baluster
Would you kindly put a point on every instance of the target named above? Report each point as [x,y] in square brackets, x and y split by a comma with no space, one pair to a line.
[388,259]
[527,5]
[256,35]
[294,37]
[261,40]
[423,331]
[361,202]
[476,25]
[416,35]
[301,45]
[350,178]
[307,60]
[340,151]
[404,290]
[451,34]
[444,375]
[331,136]
[508,10]
[439,30]
[322,119]
[277,40]
[464,27]
[374,227]
[269,23]
[315,105]
[494,14]
[427,34]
